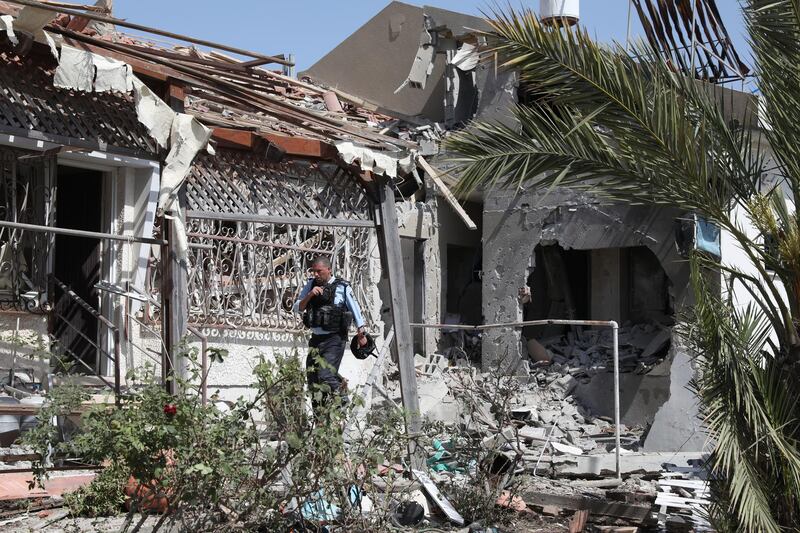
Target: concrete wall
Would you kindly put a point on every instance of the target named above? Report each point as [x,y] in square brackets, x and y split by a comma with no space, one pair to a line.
[514,222]
[435,226]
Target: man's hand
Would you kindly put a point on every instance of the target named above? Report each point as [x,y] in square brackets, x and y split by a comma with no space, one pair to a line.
[316,290]
[524,295]
[362,337]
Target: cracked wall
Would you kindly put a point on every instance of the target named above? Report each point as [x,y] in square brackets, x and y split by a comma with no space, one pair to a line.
[515,221]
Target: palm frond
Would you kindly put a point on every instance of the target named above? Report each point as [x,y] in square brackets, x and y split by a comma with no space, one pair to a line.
[610,119]
[749,409]
[774,30]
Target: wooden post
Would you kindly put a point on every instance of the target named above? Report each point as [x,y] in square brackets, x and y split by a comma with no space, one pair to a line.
[174,276]
[174,306]
[389,237]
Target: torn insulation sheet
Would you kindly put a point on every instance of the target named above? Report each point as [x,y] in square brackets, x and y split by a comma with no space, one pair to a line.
[381,163]
[182,240]
[45,37]
[7,24]
[112,75]
[188,136]
[84,71]
[466,58]
[75,70]
[153,112]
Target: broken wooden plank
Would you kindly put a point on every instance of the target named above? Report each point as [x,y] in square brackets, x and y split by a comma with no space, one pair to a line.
[578,521]
[236,138]
[694,484]
[446,192]
[594,506]
[443,503]
[389,239]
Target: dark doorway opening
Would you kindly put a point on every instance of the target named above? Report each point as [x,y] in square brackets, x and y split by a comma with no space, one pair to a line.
[77,266]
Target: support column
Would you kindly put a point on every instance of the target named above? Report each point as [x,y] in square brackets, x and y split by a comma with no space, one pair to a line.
[389,238]
[174,306]
[174,274]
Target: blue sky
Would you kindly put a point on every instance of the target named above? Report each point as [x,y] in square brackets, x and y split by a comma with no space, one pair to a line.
[310,28]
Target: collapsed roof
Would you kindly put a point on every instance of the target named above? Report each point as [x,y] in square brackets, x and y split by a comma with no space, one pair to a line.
[248,106]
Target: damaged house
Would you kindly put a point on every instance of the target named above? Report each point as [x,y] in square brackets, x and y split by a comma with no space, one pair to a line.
[152,194]
[580,258]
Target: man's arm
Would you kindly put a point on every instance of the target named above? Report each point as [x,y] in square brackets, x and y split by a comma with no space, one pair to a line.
[305,296]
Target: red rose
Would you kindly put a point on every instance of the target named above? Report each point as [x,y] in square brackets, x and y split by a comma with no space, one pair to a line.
[170,409]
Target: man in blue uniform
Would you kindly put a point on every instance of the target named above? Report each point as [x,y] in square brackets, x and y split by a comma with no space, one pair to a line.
[328,308]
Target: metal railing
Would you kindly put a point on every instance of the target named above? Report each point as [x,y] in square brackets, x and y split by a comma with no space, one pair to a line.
[80,302]
[558,322]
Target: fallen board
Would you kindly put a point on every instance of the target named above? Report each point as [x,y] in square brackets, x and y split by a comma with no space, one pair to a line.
[433,491]
[594,506]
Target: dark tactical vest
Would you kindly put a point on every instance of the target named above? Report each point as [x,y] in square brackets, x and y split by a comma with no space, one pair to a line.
[321,312]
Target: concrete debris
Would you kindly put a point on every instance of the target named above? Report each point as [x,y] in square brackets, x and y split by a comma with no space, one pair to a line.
[641,347]
[683,493]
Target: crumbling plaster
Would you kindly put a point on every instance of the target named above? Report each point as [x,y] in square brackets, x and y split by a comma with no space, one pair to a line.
[515,221]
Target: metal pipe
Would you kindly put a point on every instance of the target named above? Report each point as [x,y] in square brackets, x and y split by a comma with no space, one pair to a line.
[203,361]
[615,340]
[271,219]
[78,233]
[547,322]
[156,31]
[257,243]
[117,378]
[628,32]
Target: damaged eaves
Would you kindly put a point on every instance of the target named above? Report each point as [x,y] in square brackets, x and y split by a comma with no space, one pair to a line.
[275,102]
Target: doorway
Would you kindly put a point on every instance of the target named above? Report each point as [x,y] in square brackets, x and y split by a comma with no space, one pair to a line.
[76,266]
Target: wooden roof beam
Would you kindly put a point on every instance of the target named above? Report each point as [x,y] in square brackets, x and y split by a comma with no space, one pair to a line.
[234,138]
[302,146]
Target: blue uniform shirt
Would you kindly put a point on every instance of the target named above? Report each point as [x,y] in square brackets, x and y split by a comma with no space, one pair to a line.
[343,294]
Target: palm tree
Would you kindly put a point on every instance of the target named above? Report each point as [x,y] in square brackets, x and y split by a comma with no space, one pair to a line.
[636,131]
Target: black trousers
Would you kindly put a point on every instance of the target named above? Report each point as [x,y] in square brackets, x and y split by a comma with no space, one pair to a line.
[331,350]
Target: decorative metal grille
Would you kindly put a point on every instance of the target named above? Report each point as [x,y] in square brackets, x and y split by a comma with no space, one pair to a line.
[252,274]
[249,274]
[27,196]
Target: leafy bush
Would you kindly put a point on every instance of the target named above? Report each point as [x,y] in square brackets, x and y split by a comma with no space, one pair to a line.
[216,469]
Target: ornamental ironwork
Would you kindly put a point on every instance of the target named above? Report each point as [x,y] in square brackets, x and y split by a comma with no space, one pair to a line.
[27,196]
[245,274]
[249,275]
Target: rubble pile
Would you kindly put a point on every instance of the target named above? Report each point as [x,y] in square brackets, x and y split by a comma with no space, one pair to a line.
[542,413]
[543,417]
[641,347]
